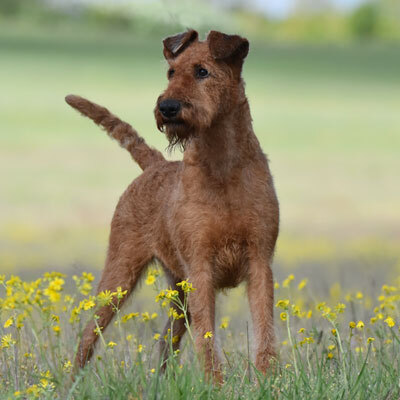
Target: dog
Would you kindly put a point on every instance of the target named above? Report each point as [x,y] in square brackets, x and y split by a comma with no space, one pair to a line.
[212,218]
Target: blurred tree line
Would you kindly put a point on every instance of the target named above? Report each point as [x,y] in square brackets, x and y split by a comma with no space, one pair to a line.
[308,21]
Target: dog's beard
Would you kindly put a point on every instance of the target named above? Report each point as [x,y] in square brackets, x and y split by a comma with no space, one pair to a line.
[179,132]
[178,135]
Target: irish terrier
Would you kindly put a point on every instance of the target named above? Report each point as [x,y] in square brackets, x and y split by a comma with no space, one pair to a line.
[212,218]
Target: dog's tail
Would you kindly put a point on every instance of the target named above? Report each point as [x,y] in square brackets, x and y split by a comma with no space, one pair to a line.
[119,130]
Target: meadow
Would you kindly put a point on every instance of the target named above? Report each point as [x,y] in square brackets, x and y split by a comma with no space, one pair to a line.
[326,115]
[325,349]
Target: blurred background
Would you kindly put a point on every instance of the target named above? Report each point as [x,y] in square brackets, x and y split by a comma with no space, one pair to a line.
[323,81]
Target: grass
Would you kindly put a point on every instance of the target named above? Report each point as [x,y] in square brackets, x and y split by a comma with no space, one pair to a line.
[334,347]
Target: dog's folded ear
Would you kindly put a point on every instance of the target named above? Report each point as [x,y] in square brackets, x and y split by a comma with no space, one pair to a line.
[174,45]
[229,48]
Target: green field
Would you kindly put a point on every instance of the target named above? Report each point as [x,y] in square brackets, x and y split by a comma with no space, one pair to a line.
[326,115]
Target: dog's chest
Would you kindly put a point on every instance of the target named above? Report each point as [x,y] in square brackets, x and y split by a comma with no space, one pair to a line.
[229,261]
[221,225]
[224,239]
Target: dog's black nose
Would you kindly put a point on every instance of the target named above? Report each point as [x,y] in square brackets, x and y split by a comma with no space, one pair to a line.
[169,108]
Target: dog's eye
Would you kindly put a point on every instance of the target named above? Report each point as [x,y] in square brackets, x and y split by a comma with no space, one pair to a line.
[202,73]
[170,73]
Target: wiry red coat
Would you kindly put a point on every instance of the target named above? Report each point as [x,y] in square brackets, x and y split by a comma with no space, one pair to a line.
[212,218]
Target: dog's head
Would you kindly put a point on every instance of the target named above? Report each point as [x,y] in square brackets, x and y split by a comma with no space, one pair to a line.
[204,83]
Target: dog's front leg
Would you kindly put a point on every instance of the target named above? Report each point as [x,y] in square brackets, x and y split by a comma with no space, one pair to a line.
[261,300]
[202,310]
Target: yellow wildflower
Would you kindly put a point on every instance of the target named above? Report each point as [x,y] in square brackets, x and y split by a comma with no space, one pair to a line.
[88,276]
[14,281]
[55,318]
[340,307]
[140,348]
[186,286]
[284,304]
[111,344]
[83,282]
[9,322]
[208,335]
[105,298]
[388,289]
[370,340]
[302,284]
[34,390]
[7,341]
[67,367]
[120,293]
[287,281]
[97,330]
[129,316]
[85,288]
[175,339]
[46,384]
[88,303]
[352,324]
[360,325]
[390,322]
[359,350]
[145,316]
[53,295]
[150,279]
[171,294]
[156,336]
[160,296]
[172,313]
[224,323]
[283,316]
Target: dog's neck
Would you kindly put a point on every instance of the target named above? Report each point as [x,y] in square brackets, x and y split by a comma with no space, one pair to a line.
[227,145]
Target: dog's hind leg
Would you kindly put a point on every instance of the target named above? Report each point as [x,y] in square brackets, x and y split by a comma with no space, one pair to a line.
[174,328]
[127,257]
